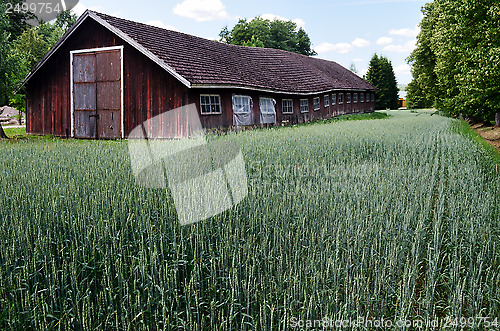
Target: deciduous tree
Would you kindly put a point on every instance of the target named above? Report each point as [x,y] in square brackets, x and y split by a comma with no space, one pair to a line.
[278,34]
[457,60]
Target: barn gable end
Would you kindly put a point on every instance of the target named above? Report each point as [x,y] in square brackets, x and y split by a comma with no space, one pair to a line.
[148,89]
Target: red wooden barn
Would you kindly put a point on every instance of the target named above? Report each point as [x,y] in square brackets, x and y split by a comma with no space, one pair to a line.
[108,75]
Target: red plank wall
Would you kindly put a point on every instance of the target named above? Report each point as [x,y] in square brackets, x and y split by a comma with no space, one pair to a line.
[226,118]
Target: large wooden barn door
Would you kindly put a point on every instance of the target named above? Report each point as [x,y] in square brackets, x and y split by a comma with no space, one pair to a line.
[97,94]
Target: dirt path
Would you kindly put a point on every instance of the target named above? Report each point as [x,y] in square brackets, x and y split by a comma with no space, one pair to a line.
[489,133]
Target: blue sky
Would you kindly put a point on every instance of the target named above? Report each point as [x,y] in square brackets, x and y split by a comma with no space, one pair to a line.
[343,31]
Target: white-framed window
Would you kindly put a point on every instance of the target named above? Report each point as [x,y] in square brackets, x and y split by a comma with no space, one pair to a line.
[287,105]
[267,110]
[242,104]
[326,100]
[373,96]
[210,104]
[242,110]
[334,99]
[362,97]
[304,105]
[355,97]
[348,98]
[317,103]
[341,98]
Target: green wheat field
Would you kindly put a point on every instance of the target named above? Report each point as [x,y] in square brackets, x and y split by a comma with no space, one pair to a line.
[395,218]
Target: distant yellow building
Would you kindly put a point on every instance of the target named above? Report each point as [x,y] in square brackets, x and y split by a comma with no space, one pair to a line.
[402,99]
[402,103]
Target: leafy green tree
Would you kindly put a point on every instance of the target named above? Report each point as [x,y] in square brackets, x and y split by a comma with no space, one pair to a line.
[254,42]
[7,62]
[381,74]
[457,60]
[416,97]
[17,21]
[422,89]
[276,34]
[65,20]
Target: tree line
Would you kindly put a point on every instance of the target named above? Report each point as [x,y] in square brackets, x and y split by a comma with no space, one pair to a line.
[456,64]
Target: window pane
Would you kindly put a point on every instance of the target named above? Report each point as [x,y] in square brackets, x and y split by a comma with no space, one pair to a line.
[267,106]
[287,106]
[210,104]
[304,105]
[241,104]
[316,103]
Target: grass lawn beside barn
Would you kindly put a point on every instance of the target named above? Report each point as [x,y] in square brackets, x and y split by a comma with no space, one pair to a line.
[395,218]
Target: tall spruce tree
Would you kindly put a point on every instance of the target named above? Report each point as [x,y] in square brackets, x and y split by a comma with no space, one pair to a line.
[381,74]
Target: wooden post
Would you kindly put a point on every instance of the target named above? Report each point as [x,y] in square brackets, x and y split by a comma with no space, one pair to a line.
[2,134]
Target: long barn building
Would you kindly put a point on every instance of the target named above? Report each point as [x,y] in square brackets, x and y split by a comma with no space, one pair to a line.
[107,75]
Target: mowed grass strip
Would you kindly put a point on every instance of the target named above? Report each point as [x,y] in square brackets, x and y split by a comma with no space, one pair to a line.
[395,218]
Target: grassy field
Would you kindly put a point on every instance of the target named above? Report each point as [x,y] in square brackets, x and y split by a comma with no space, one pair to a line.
[395,218]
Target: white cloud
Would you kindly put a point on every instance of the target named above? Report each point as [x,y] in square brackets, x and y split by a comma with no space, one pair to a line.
[341,48]
[357,60]
[201,10]
[160,24]
[384,41]
[300,22]
[405,48]
[406,32]
[359,42]
[403,69]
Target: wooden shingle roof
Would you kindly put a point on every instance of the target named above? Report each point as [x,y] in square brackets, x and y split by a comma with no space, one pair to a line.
[199,62]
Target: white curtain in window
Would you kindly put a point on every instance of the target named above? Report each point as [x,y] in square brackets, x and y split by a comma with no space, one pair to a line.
[242,110]
[267,111]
